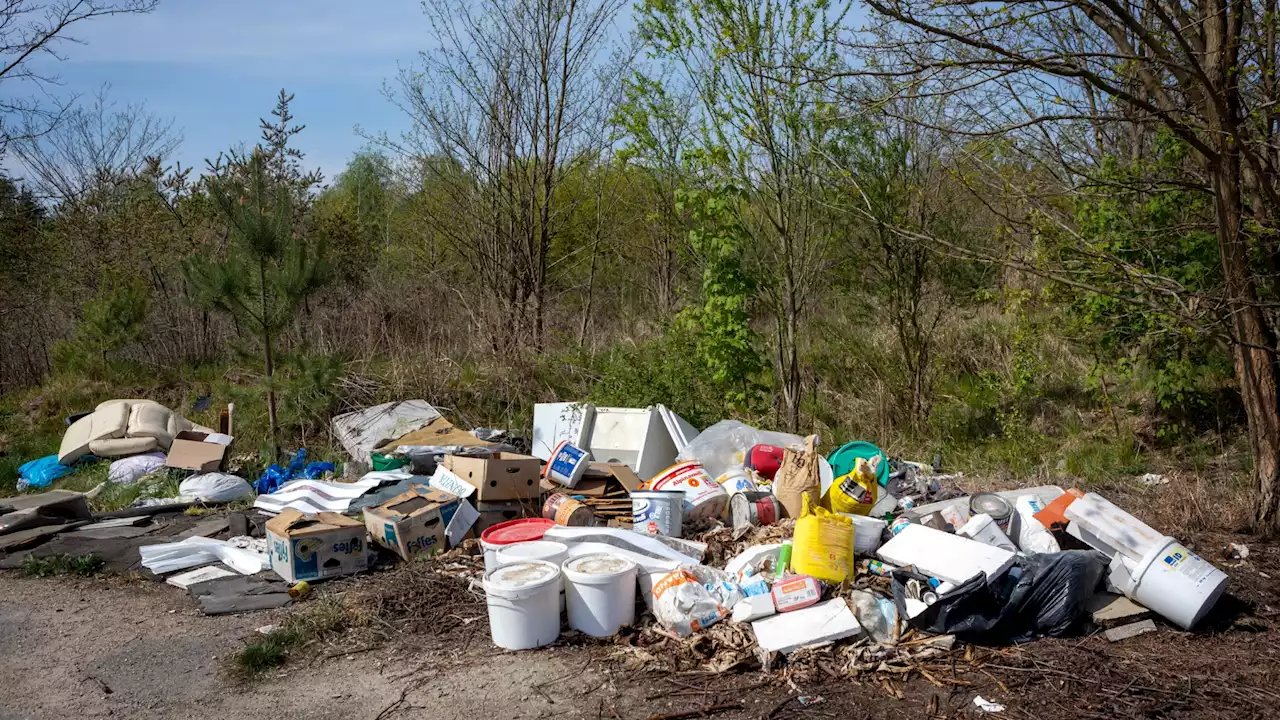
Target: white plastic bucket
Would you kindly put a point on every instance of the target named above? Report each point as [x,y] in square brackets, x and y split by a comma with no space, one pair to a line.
[867,532]
[983,528]
[1174,582]
[601,592]
[544,550]
[524,606]
[657,512]
[703,496]
[567,465]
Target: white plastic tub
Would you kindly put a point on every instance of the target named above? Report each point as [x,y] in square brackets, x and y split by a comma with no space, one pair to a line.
[600,590]
[1172,581]
[867,532]
[544,550]
[524,605]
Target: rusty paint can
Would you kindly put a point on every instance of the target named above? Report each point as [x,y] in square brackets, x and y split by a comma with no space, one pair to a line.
[564,510]
[753,509]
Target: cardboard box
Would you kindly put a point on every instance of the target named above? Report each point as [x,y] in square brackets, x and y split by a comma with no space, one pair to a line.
[494,513]
[190,451]
[505,476]
[314,547]
[418,522]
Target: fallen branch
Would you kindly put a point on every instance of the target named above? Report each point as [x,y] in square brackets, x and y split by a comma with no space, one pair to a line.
[707,711]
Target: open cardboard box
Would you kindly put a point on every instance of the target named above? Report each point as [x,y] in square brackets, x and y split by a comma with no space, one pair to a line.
[201,452]
[502,477]
[421,521]
[314,547]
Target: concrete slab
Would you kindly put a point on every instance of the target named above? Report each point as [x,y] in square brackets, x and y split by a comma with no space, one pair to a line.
[1124,632]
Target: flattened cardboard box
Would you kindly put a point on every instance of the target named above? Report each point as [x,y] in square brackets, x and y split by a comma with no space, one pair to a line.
[417,522]
[503,477]
[314,547]
[189,451]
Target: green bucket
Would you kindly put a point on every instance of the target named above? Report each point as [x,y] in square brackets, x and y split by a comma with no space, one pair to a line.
[845,458]
[386,462]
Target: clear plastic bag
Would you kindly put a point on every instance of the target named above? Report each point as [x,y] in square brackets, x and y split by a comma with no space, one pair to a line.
[724,446]
[215,488]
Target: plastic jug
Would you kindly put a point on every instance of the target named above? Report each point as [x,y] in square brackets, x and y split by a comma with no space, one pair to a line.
[823,544]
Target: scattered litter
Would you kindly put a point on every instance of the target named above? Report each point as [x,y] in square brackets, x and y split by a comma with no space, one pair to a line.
[166,558]
[807,700]
[1235,551]
[1152,479]
[945,556]
[986,705]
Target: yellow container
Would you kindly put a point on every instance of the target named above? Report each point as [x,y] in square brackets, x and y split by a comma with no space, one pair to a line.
[855,492]
[823,545]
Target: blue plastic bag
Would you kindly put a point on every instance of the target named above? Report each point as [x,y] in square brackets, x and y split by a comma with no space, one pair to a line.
[275,476]
[40,473]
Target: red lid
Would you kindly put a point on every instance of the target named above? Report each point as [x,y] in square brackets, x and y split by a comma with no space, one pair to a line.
[519,530]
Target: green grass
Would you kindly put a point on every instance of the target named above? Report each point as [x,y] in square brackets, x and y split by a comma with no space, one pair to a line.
[58,565]
[317,619]
[271,651]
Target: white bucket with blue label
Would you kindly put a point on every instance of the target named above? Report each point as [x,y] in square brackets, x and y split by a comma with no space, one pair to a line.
[567,465]
[1172,581]
[658,512]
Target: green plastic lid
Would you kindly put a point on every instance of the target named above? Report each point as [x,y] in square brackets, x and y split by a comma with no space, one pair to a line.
[845,458]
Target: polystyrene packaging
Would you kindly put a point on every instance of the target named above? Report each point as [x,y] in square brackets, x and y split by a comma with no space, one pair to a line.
[694,597]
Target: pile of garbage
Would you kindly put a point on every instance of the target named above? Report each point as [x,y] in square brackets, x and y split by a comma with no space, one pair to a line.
[628,523]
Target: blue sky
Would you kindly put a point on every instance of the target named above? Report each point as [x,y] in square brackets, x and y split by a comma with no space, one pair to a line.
[216,66]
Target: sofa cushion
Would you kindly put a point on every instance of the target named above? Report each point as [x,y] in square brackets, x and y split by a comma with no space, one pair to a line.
[110,421]
[151,420]
[119,447]
[75,441]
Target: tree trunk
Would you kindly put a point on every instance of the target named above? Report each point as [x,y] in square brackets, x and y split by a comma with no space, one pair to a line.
[1255,360]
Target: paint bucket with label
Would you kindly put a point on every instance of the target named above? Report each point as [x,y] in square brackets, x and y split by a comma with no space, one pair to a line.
[564,510]
[567,465]
[753,509]
[657,512]
[703,496]
[1172,581]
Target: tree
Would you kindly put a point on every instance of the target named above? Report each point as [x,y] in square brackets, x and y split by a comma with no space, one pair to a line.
[31,31]
[517,97]
[269,267]
[763,130]
[1065,78]
[93,145]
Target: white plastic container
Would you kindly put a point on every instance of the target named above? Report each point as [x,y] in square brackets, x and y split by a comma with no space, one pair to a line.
[567,465]
[867,532]
[983,528]
[544,550]
[1172,581]
[600,590]
[524,609]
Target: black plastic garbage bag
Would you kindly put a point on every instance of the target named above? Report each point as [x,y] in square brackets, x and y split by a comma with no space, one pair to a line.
[1042,594]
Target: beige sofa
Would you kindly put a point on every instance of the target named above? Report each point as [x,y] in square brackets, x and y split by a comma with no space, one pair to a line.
[117,428]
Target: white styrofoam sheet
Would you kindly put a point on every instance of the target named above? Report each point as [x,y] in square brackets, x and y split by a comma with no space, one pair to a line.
[1097,518]
[821,623]
[945,556]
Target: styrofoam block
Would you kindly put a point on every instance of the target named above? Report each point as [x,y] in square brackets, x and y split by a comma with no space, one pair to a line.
[1107,528]
[199,575]
[825,622]
[945,556]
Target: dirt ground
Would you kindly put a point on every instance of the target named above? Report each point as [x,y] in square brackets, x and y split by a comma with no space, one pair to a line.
[136,648]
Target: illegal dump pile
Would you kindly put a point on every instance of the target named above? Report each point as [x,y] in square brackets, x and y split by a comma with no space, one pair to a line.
[707,550]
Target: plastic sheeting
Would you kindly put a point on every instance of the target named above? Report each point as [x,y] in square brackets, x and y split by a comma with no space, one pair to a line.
[317,496]
[161,559]
[724,446]
[40,473]
[362,431]
[127,471]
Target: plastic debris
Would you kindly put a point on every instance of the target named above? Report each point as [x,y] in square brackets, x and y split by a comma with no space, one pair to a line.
[986,705]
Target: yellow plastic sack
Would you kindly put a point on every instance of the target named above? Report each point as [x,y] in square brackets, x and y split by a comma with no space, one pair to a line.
[854,492]
[823,544]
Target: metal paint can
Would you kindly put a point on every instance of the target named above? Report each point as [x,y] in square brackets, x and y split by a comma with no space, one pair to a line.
[753,509]
[564,510]
[899,525]
[657,512]
[992,504]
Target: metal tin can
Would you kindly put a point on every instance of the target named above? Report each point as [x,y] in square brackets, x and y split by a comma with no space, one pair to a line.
[906,502]
[899,525]
[753,509]
[992,504]
[875,567]
[564,510]
[657,512]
